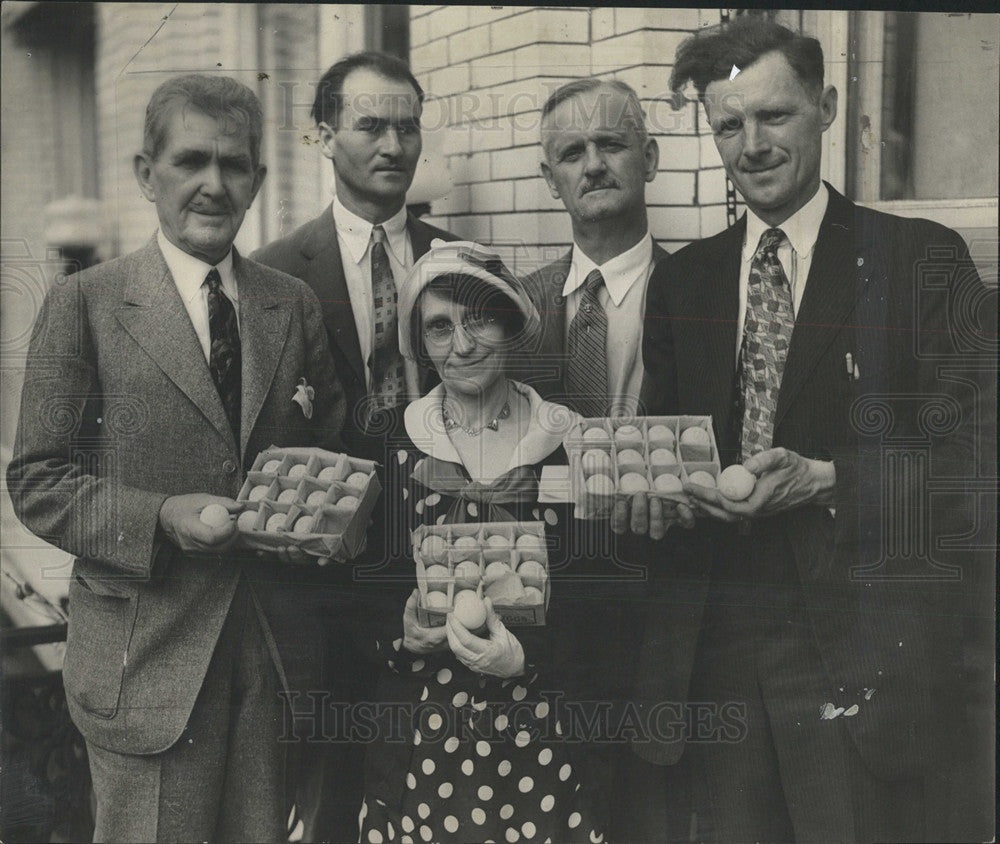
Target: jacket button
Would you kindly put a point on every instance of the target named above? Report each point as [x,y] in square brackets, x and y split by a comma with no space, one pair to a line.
[229,467]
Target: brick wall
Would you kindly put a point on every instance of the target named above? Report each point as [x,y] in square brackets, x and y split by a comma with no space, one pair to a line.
[488,71]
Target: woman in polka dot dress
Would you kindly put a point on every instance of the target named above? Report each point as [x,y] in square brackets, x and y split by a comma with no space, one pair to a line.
[478,753]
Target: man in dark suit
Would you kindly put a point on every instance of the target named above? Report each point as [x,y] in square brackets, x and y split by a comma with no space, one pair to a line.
[367,108]
[152,383]
[354,255]
[846,357]
[598,158]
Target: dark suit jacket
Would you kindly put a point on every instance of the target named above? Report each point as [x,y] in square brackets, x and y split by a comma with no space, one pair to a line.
[543,365]
[904,298]
[312,253]
[119,412]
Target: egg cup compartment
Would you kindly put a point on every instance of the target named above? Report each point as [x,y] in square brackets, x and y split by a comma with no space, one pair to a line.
[689,453]
[283,486]
[653,440]
[310,486]
[256,479]
[512,614]
[266,456]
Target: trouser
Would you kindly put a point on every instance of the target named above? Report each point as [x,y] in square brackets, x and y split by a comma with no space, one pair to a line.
[223,779]
[785,774]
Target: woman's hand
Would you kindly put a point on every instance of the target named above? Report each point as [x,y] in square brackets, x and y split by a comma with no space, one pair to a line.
[418,639]
[501,655]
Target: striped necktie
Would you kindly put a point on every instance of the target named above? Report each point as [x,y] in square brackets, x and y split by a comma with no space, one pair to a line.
[767,334]
[226,353]
[586,345]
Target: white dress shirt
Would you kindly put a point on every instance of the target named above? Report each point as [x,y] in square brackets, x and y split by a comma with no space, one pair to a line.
[189,274]
[354,235]
[795,252]
[623,298]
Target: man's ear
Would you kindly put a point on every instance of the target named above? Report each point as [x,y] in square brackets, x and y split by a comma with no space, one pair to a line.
[258,180]
[143,169]
[651,154]
[828,106]
[547,175]
[327,135]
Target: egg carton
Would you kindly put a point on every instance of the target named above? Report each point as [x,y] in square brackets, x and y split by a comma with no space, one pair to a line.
[646,446]
[493,549]
[322,508]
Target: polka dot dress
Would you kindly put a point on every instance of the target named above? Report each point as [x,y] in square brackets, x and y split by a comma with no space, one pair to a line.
[484,761]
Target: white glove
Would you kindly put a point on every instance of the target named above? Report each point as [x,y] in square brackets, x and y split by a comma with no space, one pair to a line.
[501,655]
[418,639]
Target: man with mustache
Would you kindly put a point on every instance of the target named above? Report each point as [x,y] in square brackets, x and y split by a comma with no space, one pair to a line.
[152,383]
[353,255]
[597,159]
[836,349]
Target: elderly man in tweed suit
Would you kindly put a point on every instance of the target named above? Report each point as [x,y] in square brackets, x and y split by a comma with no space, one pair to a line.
[152,382]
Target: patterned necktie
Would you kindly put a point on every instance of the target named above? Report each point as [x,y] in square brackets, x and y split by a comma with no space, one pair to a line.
[226,354]
[386,363]
[587,347]
[767,334]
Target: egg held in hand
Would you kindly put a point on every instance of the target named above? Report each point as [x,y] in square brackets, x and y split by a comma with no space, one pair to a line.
[470,611]
[736,483]
[214,515]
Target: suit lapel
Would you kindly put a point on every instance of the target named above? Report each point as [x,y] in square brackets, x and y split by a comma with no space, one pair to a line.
[830,296]
[710,307]
[554,318]
[155,317]
[326,276]
[421,236]
[264,321]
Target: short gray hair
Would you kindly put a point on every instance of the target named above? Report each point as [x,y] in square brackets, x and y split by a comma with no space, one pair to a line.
[592,83]
[215,96]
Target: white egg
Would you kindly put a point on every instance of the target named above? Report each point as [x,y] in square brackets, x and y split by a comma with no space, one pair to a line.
[736,483]
[595,460]
[600,484]
[214,515]
[667,483]
[436,600]
[271,466]
[287,496]
[470,611]
[632,482]
[662,457]
[496,571]
[259,492]
[695,436]
[661,435]
[348,501]
[596,434]
[299,470]
[533,595]
[247,520]
[433,548]
[702,479]
[628,434]
[275,523]
[304,524]
[437,578]
[357,479]
[328,474]
[316,497]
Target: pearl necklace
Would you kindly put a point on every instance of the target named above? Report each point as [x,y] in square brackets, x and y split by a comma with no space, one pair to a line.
[451,424]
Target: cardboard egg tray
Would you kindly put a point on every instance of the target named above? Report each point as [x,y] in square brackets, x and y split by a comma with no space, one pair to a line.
[470,541]
[303,506]
[688,458]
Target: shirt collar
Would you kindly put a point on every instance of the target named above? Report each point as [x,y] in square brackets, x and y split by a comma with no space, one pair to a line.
[189,272]
[801,229]
[548,426]
[356,232]
[620,273]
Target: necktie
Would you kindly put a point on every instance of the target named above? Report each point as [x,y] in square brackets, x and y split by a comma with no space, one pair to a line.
[767,333]
[586,345]
[226,355]
[386,363]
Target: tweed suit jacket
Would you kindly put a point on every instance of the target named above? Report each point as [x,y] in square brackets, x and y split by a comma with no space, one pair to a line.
[118,412]
[312,253]
[891,610]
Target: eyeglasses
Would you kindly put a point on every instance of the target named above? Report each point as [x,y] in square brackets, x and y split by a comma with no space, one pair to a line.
[479,327]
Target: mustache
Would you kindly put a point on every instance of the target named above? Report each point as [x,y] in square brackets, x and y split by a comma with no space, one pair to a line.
[601,184]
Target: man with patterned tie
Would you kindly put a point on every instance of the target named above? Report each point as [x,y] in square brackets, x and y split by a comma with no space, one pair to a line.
[845,647]
[367,107]
[152,383]
[597,159]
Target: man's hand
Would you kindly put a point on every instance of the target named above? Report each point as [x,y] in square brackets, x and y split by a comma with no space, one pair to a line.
[650,516]
[501,655]
[785,480]
[179,518]
[416,638]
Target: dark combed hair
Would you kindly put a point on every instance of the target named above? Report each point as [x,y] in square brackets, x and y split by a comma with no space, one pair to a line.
[219,97]
[709,56]
[329,91]
[478,297]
